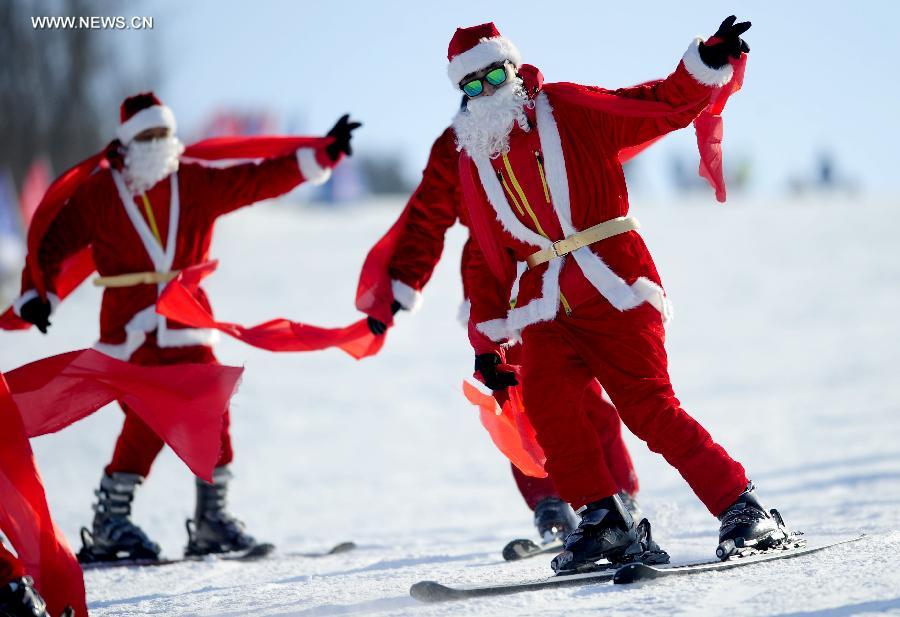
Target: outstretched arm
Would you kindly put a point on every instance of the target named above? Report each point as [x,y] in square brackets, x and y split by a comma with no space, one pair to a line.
[431,211]
[703,68]
[241,185]
[71,231]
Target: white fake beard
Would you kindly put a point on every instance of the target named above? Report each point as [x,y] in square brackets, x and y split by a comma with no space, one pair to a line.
[148,162]
[483,128]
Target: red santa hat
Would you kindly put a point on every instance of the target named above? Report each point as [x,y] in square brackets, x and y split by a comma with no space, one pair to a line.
[476,47]
[141,112]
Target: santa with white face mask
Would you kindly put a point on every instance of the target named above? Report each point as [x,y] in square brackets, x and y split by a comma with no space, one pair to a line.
[145,213]
[542,181]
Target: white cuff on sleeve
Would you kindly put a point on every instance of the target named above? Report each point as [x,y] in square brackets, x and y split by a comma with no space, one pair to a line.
[30,295]
[706,75]
[310,168]
[409,298]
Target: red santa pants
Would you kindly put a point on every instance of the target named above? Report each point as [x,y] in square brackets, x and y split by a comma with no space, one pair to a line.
[604,419]
[625,351]
[10,567]
[138,446]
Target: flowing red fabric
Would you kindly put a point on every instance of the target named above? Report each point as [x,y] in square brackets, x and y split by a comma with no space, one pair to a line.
[184,404]
[373,293]
[178,303]
[509,429]
[78,267]
[25,517]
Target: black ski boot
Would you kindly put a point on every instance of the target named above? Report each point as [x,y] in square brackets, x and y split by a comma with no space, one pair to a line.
[631,504]
[746,527]
[554,519]
[213,529]
[608,532]
[113,535]
[19,598]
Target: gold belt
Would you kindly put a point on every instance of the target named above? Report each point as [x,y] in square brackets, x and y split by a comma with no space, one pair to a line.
[602,231]
[133,279]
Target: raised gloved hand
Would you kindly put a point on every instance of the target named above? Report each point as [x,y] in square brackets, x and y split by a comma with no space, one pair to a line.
[725,43]
[494,374]
[342,132]
[36,311]
[379,327]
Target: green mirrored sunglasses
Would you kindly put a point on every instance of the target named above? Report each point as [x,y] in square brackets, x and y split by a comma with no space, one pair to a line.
[475,87]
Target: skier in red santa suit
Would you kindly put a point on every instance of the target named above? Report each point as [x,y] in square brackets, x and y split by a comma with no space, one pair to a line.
[543,185]
[145,222]
[435,206]
[18,597]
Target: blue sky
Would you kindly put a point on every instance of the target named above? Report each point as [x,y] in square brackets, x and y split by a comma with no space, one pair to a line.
[822,75]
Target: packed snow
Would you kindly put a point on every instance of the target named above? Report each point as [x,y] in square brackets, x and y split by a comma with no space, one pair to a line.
[786,345]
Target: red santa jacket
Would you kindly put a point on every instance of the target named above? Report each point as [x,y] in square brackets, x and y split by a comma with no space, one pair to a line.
[435,206]
[105,216]
[563,176]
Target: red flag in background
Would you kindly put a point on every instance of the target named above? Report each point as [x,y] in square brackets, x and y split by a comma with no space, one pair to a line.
[178,303]
[25,517]
[34,186]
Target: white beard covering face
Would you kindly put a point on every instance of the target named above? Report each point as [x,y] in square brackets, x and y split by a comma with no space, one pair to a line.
[148,162]
[483,128]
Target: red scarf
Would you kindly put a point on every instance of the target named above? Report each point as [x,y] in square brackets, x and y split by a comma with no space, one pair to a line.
[183,404]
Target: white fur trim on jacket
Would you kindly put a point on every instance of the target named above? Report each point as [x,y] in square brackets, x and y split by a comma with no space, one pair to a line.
[464,312]
[486,53]
[410,299]
[30,295]
[619,293]
[706,75]
[150,118]
[147,320]
[312,172]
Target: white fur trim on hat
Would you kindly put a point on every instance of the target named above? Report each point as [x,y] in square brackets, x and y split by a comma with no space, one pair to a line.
[486,53]
[150,118]
[706,75]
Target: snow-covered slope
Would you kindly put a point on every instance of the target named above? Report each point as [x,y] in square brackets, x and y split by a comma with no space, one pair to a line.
[786,345]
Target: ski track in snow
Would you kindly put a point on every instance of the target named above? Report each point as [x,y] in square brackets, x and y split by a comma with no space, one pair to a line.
[785,345]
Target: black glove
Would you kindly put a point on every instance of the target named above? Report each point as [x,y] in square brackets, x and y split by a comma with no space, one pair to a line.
[341,132]
[725,42]
[379,327]
[37,312]
[494,376]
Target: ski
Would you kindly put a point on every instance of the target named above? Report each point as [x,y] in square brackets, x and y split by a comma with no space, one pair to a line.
[637,572]
[431,591]
[523,549]
[257,553]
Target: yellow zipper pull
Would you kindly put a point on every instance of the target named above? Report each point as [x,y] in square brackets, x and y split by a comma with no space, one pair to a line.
[540,164]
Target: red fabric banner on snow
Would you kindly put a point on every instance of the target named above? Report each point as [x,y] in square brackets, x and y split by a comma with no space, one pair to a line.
[509,429]
[225,150]
[373,293]
[178,303]
[25,518]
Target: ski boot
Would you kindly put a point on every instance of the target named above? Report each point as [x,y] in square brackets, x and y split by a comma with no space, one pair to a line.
[631,504]
[747,528]
[607,531]
[114,536]
[554,519]
[214,530]
[19,598]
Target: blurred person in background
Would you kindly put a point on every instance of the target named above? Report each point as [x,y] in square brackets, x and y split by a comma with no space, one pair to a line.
[542,183]
[145,216]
